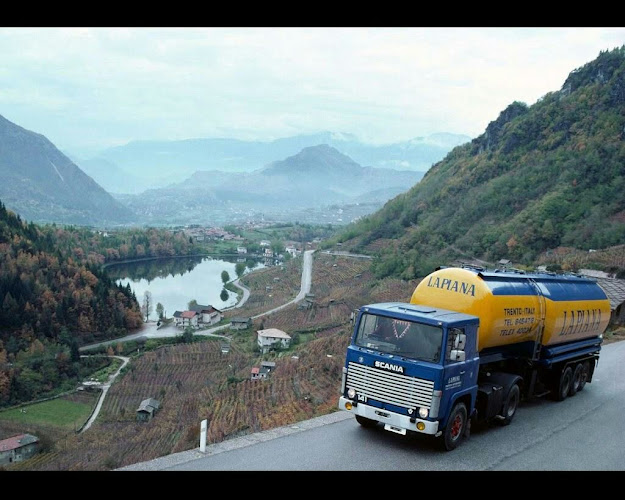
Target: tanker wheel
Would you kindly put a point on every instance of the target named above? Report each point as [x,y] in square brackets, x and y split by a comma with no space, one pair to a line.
[576,382]
[585,372]
[564,384]
[511,404]
[366,422]
[455,427]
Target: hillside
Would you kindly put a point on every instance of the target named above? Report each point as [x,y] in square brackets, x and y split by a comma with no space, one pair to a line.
[287,190]
[540,177]
[43,185]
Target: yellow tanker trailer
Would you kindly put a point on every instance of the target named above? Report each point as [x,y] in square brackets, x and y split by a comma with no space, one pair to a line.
[469,346]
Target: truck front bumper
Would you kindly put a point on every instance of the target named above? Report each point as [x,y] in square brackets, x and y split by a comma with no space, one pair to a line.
[388,417]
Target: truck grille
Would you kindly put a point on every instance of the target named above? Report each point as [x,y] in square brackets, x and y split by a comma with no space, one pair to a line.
[388,387]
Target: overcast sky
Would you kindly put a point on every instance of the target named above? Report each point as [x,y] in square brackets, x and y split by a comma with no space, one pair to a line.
[90,88]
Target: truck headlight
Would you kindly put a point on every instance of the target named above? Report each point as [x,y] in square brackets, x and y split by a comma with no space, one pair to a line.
[423,412]
[351,393]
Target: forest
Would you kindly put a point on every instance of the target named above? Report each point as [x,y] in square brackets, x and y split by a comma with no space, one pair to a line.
[55,296]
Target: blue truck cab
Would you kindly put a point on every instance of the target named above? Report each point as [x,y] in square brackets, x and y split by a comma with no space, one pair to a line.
[412,368]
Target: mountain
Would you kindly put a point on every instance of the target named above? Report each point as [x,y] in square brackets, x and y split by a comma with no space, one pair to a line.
[159,163]
[539,177]
[41,184]
[318,177]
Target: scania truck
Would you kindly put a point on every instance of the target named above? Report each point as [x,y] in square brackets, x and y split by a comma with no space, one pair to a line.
[469,346]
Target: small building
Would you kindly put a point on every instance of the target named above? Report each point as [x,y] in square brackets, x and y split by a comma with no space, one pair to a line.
[255,373]
[240,323]
[267,365]
[271,338]
[265,243]
[18,448]
[178,318]
[263,371]
[147,409]
[615,291]
[241,250]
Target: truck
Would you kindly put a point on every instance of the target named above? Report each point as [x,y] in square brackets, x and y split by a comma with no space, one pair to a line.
[469,347]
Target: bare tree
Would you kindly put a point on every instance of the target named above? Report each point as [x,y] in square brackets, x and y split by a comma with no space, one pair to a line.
[146,307]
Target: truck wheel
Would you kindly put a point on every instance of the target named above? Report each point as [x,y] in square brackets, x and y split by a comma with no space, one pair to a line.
[366,422]
[564,384]
[455,427]
[585,372]
[576,380]
[511,404]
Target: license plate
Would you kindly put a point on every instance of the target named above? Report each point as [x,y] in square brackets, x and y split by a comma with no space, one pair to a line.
[392,428]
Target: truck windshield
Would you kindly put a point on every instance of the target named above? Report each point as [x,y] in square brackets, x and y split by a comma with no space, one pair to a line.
[399,337]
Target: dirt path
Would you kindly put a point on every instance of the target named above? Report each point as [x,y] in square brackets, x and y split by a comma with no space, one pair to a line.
[105,389]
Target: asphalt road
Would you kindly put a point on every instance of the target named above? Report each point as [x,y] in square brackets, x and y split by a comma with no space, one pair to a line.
[582,433]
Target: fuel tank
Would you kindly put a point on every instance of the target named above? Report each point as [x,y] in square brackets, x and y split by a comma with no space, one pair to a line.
[512,306]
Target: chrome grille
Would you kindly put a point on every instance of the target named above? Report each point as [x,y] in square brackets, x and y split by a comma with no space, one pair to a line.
[389,387]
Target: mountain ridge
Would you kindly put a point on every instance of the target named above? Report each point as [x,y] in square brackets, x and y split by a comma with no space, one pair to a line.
[160,163]
[42,184]
[539,177]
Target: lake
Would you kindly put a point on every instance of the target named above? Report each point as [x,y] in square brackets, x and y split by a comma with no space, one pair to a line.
[174,282]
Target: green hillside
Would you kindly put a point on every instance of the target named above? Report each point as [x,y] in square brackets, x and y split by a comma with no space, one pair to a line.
[540,177]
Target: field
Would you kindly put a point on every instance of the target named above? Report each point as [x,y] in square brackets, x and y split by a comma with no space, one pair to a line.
[197,381]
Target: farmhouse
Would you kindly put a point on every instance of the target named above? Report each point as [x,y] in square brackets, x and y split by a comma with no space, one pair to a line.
[197,316]
[208,315]
[147,409]
[271,338]
[18,448]
[186,318]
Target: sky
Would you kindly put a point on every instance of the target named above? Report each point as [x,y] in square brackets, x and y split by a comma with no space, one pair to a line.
[87,89]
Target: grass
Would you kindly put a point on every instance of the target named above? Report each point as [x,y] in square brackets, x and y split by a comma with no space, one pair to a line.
[60,413]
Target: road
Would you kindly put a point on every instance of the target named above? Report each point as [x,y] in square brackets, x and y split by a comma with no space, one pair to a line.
[105,389]
[579,433]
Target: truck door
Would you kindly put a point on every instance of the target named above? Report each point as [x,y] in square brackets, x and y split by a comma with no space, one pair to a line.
[460,373]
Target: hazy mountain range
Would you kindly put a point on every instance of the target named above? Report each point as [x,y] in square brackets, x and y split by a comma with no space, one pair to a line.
[316,177]
[141,165]
[178,182]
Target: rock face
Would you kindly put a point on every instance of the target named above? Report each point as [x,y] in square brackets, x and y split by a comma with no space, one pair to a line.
[41,184]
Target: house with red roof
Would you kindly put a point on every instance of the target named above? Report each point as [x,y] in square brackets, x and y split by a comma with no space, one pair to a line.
[18,448]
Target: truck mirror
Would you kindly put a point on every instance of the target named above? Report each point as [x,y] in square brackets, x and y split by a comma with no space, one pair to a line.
[460,341]
[456,355]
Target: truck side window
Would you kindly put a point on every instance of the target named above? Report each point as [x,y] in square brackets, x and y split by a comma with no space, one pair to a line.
[456,341]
